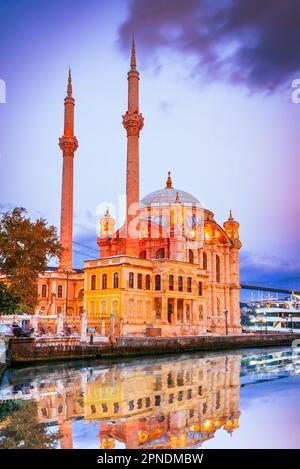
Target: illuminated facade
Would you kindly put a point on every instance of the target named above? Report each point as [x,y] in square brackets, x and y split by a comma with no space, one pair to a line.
[171,269]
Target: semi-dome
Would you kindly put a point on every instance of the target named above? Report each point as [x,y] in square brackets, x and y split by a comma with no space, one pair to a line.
[168,195]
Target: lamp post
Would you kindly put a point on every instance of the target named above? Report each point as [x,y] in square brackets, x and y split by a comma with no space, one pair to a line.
[225,311]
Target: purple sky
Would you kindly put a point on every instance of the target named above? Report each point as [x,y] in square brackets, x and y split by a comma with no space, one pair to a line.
[216,97]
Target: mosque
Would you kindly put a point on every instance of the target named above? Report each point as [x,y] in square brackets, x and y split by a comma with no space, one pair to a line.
[171,269]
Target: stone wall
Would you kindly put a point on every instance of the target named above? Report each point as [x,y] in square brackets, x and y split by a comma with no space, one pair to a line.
[24,350]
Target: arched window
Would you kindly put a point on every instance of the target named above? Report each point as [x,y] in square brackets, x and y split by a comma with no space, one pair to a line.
[140,281]
[143,255]
[59,291]
[44,290]
[131,280]
[200,288]
[171,282]
[160,254]
[189,284]
[204,261]
[157,282]
[218,269]
[103,309]
[218,307]
[104,281]
[115,307]
[80,294]
[180,283]
[93,282]
[58,310]
[191,256]
[148,282]
[116,280]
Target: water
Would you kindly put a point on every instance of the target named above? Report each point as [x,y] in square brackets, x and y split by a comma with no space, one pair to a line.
[244,399]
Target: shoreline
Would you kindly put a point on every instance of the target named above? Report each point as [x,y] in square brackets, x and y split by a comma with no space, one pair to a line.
[24,350]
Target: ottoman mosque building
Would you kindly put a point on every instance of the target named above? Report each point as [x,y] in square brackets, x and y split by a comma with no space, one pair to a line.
[171,269]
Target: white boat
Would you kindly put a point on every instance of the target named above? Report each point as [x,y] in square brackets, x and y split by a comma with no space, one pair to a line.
[275,315]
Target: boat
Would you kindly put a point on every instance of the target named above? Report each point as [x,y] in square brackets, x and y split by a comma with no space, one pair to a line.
[271,314]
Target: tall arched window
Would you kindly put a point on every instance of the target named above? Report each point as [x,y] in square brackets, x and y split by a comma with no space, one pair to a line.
[104,281]
[171,282]
[44,290]
[80,294]
[148,282]
[160,254]
[59,291]
[140,281]
[157,282]
[93,282]
[189,284]
[180,283]
[200,289]
[218,307]
[115,307]
[131,280]
[143,255]
[218,269]
[191,256]
[116,280]
[204,261]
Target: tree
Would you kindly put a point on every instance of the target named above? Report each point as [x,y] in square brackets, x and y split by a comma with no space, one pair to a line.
[8,304]
[23,429]
[26,247]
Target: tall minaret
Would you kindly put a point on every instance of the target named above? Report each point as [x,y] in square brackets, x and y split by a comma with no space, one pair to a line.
[68,143]
[133,122]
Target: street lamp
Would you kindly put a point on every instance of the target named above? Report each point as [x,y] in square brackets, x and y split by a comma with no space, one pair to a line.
[225,311]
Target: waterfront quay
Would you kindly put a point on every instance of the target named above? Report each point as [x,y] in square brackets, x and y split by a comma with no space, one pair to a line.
[31,350]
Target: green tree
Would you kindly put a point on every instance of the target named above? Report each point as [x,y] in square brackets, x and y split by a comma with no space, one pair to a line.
[26,247]
[24,431]
[8,304]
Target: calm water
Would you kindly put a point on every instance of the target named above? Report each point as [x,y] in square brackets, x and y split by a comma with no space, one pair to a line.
[234,400]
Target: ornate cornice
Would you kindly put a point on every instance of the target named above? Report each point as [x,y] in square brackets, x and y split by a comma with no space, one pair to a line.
[133,122]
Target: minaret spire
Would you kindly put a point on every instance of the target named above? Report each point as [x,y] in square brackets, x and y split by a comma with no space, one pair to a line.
[68,144]
[69,89]
[133,122]
[133,58]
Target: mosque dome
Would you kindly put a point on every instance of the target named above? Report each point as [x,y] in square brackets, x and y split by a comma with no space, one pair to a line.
[168,195]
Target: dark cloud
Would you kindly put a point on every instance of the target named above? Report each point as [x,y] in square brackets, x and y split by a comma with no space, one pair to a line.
[249,42]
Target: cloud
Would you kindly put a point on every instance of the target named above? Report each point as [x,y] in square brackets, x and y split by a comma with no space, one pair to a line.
[268,270]
[253,43]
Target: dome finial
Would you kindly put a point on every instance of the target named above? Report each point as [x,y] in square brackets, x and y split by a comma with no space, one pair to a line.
[169,184]
[230,215]
[107,214]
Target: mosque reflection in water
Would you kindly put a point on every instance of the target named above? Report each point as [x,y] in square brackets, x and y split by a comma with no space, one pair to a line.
[164,403]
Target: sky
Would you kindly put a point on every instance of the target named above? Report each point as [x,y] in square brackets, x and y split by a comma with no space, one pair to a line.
[216,95]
